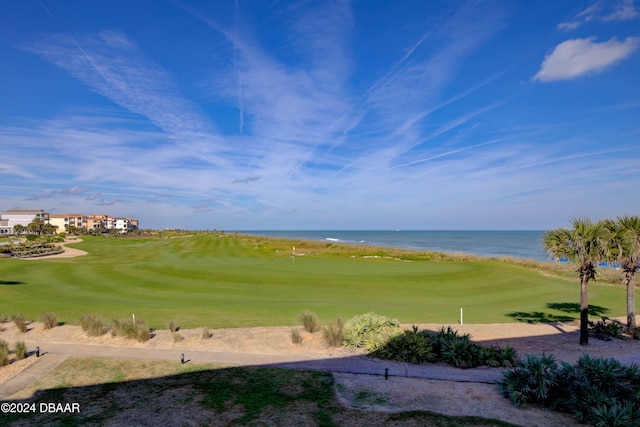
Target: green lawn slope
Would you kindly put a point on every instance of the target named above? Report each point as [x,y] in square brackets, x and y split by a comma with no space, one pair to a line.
[219,280]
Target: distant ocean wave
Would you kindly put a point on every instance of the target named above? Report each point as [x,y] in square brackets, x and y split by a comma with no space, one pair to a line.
[516,244]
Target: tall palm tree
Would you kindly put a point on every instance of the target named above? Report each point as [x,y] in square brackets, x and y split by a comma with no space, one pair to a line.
[585,245]
[624,249]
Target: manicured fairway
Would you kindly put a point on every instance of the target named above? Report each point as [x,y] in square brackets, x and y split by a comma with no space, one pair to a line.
[226,281]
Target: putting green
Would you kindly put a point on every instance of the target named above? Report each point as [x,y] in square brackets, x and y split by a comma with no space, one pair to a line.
[226,281]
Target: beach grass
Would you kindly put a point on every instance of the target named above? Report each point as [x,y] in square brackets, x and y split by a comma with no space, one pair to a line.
[224,280]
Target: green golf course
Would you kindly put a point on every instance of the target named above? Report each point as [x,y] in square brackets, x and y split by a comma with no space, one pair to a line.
[218,280]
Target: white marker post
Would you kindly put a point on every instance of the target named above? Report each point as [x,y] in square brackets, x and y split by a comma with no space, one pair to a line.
[461,315]
[133,316]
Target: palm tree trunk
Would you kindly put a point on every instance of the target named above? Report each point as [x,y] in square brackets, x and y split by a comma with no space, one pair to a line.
[584,311]
[631,304]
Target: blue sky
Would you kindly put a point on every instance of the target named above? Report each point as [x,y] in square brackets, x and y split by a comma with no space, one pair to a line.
[359,114]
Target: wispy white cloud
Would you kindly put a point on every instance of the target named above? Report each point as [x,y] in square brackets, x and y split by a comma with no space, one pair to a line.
[577,57]
[624,11]
[606,11]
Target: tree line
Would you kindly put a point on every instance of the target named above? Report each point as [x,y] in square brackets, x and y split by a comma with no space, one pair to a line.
[588,243]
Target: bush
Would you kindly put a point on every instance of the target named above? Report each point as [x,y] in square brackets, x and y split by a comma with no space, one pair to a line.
[172,326]
[596,391]
[310,321]
[93,325]
[49,320]
[606,328]
[333,334]
[296,338]
[127,329]
[205,333]
[370,331]
[531,380]
[412,346]
[4,353]
[416,346]
[144,333]
[21,350]
[20,321]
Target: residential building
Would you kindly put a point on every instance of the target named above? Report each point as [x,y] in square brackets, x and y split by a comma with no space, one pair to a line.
[13,217]
[64,221]
[23,217]
[125,225]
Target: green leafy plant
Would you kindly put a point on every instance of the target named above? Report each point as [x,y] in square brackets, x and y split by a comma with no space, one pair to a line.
[412,346]
[370,331]
[531,380]
[606,329]
[596,391]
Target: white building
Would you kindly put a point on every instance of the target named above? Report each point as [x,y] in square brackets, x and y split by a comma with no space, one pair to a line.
[124,225]
[13,217]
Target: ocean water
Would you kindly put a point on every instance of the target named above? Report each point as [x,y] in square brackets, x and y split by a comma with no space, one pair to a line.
[516,244]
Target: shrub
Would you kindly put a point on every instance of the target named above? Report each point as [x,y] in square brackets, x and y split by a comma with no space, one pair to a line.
[93,325]
[310,321]
[333,334]
[296,338]
[446,345]
[144,333]
[596,391]
[172,326]
[49,320]
[531,380]
[369,331]
[21,350]
[412,346]
[4,353]
[20,321]
[128,329]
[606,328]
[205,333]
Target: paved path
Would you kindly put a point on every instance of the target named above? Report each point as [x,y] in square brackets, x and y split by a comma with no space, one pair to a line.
[31,373]
[53,354]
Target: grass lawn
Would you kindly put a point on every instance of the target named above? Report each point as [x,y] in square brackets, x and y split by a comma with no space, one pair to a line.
[231,281]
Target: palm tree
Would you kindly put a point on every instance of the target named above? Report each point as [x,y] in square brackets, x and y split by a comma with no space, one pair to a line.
[19,229]
[624,249]
[584,244]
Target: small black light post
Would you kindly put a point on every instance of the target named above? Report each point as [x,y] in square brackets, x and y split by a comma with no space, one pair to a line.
[38,351]
[182,358]
[386,373]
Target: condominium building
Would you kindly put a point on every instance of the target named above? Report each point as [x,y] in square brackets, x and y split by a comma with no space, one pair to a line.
[24,217]
[64,221]
[13,217]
